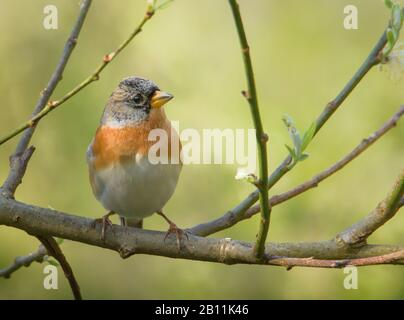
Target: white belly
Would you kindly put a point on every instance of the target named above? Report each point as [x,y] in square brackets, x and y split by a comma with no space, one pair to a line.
[137,189]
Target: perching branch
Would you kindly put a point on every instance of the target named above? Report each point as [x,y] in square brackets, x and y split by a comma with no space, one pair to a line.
[231,218]
[25,261]
[129,241]
[51,105]
[262,138]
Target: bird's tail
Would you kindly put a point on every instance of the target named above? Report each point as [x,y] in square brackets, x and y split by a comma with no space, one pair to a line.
[132,222]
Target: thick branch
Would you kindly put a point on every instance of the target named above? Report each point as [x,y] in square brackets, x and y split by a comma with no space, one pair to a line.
[129,241]
[234,216]
[262,138]
[385,210]
[24,261]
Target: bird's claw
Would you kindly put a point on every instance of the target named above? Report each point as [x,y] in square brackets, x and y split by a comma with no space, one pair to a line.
[179,233]
[104,221]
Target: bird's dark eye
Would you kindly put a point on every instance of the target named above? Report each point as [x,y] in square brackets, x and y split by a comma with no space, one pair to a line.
[137,98]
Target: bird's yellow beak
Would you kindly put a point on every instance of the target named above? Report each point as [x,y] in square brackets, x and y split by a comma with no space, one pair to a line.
[160,98]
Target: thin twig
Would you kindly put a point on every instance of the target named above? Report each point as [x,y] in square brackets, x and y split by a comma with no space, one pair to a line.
[52,105]
[18,166]
[230,218]
[24,261]
[54,250]
[389,258]
[262,138]
[385,210]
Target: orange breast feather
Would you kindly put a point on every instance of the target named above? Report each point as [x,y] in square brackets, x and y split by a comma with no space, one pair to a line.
[118,145]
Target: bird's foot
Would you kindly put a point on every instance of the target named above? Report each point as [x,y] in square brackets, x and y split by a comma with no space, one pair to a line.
[104,221]
[179,233]
[173,229]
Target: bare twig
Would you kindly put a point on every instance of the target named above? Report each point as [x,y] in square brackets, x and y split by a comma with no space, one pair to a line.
[389,258]
[261,136]
[18,166]
[24,261]
[54,250]
[385,210]
[51,105]
[128,241]
[230,218]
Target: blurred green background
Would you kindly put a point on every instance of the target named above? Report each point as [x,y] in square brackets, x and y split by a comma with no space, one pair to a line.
[302,57]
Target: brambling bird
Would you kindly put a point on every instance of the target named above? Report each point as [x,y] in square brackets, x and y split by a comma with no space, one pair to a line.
[122,177]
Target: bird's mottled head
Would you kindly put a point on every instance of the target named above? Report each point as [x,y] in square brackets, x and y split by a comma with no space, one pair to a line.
[134,99]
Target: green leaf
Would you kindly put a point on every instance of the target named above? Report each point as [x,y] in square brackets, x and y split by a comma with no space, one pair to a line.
[252,179]
[392,36]
[294,133]
[396,18]
[308,136]
[288,120]
[59,241]
[388,3]
[297,141]
[292,153]
[52,262]
[162,5]
[390,42]
[303,157]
